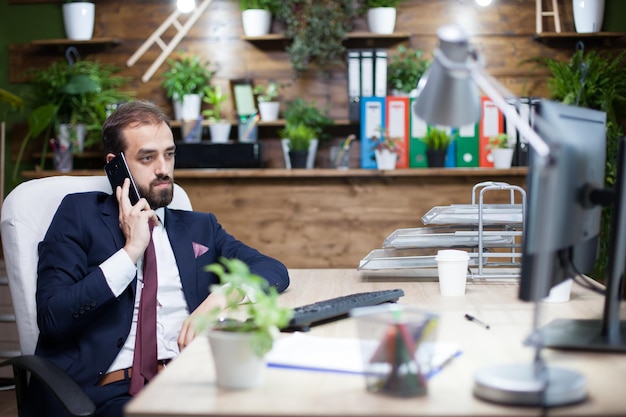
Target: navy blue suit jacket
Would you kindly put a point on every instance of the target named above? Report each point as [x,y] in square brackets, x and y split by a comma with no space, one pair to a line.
[82,324]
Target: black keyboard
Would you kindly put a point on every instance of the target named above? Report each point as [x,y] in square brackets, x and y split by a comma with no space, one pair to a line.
[337,308]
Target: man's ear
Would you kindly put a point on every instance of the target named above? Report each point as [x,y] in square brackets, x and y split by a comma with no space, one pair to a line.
[109,157]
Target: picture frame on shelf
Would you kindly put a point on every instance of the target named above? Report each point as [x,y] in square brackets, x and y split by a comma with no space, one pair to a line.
[243,97]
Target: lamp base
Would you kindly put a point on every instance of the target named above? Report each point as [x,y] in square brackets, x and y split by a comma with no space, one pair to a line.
[517,384]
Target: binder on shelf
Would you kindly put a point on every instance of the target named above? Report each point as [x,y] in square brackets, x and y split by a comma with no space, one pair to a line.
[397,116]
[380,73]
[467,146]
[417,146]
[367,73]
[372,121]
[491,124]
[354,85]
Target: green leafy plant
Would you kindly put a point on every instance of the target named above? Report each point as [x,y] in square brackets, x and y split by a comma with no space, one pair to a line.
[266,92]
[370,4]
[186,75]
[270,5]
[317,29]
[262,314]
[81,92]
[10,102]
[405,69]
[594,79]
[214,97]
[437,139]
[299,135]
[384,141]
[500,141]
[300,111]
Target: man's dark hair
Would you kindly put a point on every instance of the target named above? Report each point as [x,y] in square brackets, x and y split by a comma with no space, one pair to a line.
[129,115]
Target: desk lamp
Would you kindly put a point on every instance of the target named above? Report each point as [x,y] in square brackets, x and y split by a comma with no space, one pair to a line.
[448,95]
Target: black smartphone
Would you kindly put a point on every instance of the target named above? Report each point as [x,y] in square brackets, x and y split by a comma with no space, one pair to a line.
[117,170]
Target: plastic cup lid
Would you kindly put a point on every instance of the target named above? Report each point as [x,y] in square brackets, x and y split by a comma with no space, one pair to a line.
[452,255]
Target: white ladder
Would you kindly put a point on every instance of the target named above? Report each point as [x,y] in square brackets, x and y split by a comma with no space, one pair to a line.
[167,48]
[540,14]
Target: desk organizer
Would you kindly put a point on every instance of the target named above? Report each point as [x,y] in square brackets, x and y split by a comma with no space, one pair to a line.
[491,231]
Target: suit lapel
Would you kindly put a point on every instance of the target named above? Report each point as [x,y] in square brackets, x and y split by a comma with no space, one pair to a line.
[183,252]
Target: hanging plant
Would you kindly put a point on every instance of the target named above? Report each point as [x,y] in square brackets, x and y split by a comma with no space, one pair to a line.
[317,29]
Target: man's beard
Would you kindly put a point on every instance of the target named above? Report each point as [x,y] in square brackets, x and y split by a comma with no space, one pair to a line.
[160,198]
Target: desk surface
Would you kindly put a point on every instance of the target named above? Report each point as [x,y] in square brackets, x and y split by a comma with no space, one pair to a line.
[187,387]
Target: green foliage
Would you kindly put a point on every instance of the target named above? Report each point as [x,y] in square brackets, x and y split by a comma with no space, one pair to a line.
[186,75]
[263,315]
[299,135]
[271,5]
[405,69]
[437,139]
[299,111]
[500,141]
[384,141]
[603,88]
[266,92]
[11,101]
[214,97]
[370,4]
[76,93]
[317,29]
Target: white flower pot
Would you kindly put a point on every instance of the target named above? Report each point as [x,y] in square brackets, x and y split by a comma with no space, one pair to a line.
[381,20]
[269,110]
[310,162]
[78,19]
[588,15]
[502,158]
[385,159]
[256,22]
[219,132]
[188,108]
[236,365]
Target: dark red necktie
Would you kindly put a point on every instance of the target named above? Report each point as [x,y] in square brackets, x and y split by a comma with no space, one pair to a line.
[145,356]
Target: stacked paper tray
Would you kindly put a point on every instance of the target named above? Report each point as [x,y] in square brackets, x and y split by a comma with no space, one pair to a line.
[469,214]
[445,237]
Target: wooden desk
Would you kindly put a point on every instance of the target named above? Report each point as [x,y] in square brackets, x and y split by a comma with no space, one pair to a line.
[187,387]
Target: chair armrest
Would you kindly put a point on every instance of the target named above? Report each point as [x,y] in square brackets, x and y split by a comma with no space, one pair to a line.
[56,380]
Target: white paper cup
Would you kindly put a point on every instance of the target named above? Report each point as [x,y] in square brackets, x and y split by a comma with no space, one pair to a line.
[452,269]
[560,293]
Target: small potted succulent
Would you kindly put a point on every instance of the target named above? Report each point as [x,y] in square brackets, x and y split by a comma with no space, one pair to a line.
[243,332]
[501,151]
[184,82]
[381,15]
[256,16]
[299,140]
[266,95]
[218,124]
[437,142]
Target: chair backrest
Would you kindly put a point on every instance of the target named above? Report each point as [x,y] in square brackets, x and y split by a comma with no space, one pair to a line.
[26,215]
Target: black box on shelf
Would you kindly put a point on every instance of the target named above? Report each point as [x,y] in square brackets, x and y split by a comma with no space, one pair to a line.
[218,155]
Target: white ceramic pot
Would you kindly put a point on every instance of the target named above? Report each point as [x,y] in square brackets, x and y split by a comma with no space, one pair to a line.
[381,20]
[502,157]
[220,132]
[236,365]
[188,108]
[78,19]
[269,110]
[385,159]
[588,15]
[256,22]
[310,161]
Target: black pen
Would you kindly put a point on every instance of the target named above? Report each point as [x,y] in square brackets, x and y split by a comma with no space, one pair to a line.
[475,320]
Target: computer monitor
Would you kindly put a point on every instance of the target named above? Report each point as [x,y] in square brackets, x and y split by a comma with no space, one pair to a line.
[562,223]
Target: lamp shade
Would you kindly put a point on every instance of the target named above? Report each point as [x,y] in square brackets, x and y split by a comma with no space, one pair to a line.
[447,95]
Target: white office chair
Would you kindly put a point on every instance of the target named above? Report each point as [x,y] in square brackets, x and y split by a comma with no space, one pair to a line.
[26,215]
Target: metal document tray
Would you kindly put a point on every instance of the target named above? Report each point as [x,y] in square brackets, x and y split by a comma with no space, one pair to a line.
[448,236]
[469,214]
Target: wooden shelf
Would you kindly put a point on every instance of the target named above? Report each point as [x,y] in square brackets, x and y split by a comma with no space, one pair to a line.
[69,42]
[598,37]
[352,39]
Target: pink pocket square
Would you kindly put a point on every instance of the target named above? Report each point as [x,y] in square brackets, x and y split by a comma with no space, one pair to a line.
[198,249]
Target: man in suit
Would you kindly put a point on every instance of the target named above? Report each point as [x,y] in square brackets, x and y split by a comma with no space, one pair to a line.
[90,264]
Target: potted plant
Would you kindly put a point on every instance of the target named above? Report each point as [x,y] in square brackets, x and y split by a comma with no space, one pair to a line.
[243,332]
[78,19]
[256,16]
[266,95]
[437,142]
[405,69]
[317,30]
[70,102]
[501,151]
[299,139]
[386,150]
[184,82]
[218,124]
[381,15]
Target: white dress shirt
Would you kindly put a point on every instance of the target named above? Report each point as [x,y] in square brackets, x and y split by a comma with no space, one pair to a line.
[172,310]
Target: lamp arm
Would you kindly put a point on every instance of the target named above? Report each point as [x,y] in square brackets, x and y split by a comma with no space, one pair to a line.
[538,144]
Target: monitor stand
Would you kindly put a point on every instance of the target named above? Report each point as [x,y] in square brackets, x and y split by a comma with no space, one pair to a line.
[584,335]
